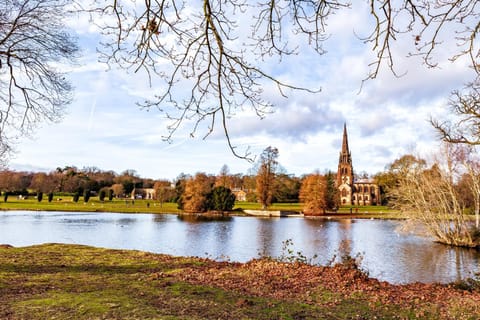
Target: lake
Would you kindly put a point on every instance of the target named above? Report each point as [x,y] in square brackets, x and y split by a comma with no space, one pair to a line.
[386,253]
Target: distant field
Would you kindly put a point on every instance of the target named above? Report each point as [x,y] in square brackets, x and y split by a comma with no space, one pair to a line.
[93,205]
[149,206]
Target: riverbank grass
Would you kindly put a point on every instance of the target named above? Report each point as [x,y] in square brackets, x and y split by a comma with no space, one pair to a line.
[78,282]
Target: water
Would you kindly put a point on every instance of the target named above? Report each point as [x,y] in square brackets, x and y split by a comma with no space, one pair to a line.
[387,254]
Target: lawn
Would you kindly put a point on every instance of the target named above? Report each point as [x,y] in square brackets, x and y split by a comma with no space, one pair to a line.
[56,281]
[65,203]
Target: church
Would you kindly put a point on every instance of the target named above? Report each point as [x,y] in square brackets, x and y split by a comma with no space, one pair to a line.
[361,192]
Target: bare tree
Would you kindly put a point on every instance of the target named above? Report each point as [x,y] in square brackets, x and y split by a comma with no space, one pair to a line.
[33,43]
[465,106]
[430,196]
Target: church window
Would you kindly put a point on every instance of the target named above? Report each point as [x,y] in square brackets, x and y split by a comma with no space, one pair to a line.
[372,190]
[360,198]
[366,198]
[344,193]
[360,189]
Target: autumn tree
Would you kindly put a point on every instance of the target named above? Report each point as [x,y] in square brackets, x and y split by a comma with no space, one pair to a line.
[15,181]
[164,191]
[265,179]
[313,194]
[223,178]
[118,190]
[197,192]
[34,43]
[43,182]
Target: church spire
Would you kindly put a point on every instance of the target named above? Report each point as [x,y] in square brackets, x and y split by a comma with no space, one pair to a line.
[345,149]
[345,167]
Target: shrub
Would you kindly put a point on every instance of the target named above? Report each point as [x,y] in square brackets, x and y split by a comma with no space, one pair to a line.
[110,194]
[39,196]
[50,197]
[86,195]
[5,196]
[76,196]
[101,195]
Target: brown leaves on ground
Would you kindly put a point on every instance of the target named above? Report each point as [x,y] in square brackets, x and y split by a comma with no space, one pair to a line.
[298,281]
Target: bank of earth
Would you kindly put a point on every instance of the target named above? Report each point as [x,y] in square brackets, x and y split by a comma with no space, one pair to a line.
[79,282]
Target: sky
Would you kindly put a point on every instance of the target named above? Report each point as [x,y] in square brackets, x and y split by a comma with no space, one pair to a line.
[386,117]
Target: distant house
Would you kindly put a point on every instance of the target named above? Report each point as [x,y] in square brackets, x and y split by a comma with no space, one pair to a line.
[240,194]
[143,193]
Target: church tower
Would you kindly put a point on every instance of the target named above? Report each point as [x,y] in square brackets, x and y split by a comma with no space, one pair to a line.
[345,171]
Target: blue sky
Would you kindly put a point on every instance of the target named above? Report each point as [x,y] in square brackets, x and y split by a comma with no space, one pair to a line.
[386,119]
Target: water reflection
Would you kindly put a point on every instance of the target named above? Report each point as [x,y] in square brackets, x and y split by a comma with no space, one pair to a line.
[387,255]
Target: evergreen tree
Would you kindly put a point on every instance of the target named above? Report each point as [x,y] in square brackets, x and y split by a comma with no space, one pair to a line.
[222,199]
[332,196]
[101,195]
[86,195]
[110,194]
[39,196]
[76,196]
[50,196]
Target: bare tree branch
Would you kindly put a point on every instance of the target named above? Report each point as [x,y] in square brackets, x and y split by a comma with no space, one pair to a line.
[33,41]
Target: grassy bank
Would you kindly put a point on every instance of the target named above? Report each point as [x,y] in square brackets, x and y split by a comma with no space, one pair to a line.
[65,203]
[78,282]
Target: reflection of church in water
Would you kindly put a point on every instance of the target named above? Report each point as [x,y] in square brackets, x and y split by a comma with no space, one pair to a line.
[361,192]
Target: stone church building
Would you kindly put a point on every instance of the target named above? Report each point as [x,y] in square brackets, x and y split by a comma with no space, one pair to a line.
[362,192]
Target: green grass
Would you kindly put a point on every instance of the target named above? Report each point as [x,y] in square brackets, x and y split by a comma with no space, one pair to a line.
[93,205]
[55,281]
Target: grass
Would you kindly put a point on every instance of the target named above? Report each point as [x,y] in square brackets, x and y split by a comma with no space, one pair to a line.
[149,206]
[93,205]
[79,282]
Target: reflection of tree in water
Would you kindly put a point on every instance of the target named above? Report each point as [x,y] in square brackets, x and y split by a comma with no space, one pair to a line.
[203,218]
[344,250]
[265,236]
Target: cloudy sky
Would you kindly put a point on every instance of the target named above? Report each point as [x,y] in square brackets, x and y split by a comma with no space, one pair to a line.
[387,118]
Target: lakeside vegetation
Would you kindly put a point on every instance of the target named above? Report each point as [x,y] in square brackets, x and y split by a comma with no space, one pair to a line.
[79,282]
[149,206]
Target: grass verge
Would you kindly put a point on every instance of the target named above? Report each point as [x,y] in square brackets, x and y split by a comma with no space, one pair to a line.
[79,282]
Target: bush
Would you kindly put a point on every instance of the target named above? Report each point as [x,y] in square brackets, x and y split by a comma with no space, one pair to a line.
[39,196]
[86,195]
[50,197]
[110,194]
[101,195]
[5,196]
[76,196]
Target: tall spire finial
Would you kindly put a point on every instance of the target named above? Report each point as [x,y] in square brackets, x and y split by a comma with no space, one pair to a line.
[345,149]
